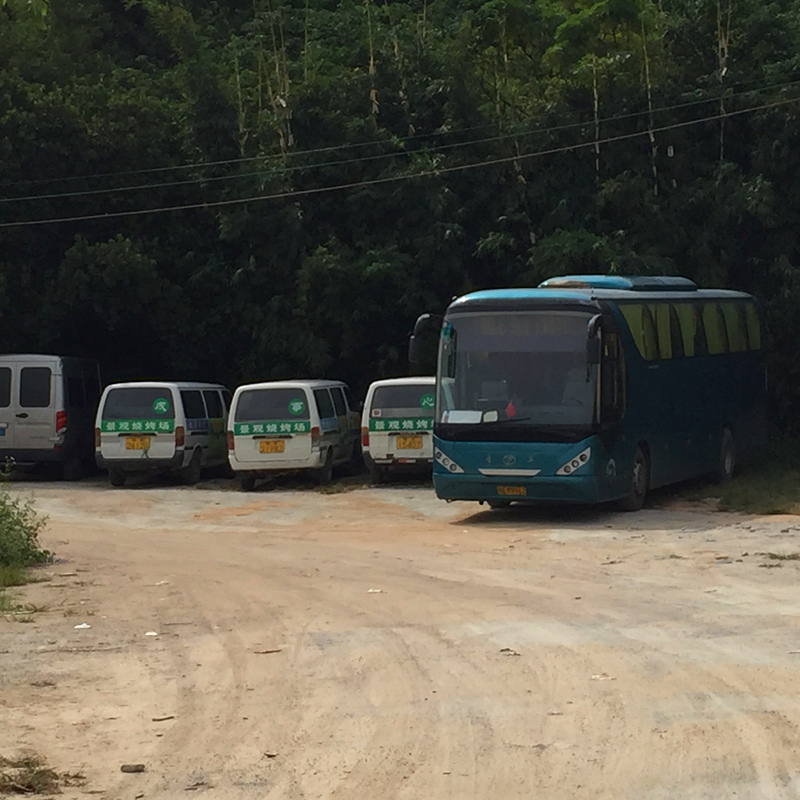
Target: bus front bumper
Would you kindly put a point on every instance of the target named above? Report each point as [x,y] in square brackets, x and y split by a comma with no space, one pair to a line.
[553,489]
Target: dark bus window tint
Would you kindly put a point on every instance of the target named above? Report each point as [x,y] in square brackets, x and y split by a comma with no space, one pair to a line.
[409,400]
[75,392]
[193,406]
[338,402]
[661,314]
[736,326]
[139,402]
[263,405]
[5,387]
[34,387]
[687,319]
[716,332]
[675,336]
[324,404]
[213,403]
[753,326]
[633,316]
[649,336]
[700,337]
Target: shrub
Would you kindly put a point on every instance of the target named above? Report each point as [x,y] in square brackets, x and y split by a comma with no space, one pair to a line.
[20,525]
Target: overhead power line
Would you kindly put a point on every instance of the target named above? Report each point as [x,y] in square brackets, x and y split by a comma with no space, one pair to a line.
[398,178]
[340,147]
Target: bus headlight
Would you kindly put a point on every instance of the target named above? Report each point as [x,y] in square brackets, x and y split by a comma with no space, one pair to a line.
[446,462]
[575,463]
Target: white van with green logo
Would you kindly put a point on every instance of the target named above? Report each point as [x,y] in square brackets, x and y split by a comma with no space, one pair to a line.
[397,426]
[154,426]
[283,426]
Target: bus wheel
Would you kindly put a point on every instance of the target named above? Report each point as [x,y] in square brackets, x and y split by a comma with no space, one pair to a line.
[325,472]
[640,480]
[498,503]
[727,457]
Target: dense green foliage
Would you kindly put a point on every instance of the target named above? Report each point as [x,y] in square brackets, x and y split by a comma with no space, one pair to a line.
[20,525]
[476,143]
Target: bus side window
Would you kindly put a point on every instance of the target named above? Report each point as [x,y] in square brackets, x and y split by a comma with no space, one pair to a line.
[716,332]
[612,379]
[700,338]
[662,317]
[687,320]
[649,336]
[736,326]
[753,326]
[675,337]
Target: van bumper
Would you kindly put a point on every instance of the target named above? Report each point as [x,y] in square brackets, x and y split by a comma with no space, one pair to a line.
[314,461]
[407,464]
[140,464]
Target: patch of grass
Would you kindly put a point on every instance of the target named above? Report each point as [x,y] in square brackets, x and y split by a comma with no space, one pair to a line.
[20,525]
[781,556]
[12,576]
[20,612]
[771,485]
[27,775]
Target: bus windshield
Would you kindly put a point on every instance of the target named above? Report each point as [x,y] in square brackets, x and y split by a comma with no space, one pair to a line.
[515,369]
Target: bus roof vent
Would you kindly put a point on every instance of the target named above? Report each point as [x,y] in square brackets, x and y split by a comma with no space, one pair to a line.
[642,283]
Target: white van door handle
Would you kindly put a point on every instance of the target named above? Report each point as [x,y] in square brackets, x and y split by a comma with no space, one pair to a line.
[23,415]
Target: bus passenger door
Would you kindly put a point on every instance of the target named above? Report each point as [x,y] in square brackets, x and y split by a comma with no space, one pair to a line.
[613,405]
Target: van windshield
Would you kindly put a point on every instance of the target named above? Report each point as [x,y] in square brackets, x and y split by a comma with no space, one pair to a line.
[406,400]
[141,402]
[259,405]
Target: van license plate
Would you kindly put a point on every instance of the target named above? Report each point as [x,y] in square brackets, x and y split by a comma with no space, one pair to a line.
[408,442]
[512,491]
[270,446]
[137,442]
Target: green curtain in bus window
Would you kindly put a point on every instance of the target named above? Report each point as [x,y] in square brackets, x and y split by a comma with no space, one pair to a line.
[716,332]
[675,337]
[633,316]
[753,326]
[736,325]
[661,314]
[649,335]
[687,318]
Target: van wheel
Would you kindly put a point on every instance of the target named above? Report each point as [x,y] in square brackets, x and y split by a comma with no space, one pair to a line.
[72,469]
[376,474]
[190,474]
[640,480]
[356,462]
[727,457]
[247,483]
[116,477]
[325,472]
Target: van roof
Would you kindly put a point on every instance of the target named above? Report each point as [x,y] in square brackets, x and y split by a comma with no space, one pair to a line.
[425,380]
[170,384]
[293,384]
[29,357]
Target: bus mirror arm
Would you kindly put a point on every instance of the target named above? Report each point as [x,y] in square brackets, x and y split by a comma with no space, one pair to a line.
[593,351]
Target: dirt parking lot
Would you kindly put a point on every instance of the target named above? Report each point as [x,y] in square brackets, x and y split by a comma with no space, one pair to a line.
[379,643]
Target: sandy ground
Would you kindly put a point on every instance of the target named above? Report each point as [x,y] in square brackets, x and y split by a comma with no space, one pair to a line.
[380,643]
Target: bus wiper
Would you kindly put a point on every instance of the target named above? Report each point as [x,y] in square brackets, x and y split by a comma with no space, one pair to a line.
[507,419]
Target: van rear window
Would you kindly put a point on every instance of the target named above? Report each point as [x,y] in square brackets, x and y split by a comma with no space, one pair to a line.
[413,400]
[259,405]
[139,403]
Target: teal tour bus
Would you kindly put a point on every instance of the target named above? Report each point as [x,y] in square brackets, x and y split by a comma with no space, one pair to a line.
[593,388]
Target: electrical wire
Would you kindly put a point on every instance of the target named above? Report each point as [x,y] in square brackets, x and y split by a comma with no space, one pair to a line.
[398,178]
[344,146]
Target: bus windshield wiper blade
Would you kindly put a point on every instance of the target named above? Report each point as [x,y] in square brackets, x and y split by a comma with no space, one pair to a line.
[508,419]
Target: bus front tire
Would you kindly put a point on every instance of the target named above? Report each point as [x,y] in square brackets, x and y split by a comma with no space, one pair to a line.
[640,480]
[727,457]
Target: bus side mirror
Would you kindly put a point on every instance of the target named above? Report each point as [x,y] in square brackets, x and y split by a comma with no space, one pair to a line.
[424,322]
[593,349]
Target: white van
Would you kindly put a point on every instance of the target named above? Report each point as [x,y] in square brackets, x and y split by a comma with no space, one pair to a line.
[47,406]
[397,426]
[283,426]
[154,426]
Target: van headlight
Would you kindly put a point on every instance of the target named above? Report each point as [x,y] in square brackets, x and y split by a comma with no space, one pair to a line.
[575,463]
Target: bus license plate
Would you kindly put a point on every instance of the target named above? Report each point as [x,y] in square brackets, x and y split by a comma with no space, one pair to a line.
[512,491]
[409,442]
[137,442]
[271,446]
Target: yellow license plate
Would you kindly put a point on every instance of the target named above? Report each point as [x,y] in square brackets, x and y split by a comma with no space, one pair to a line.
[137,442]
[271,446]
[409,443]
[512,491]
